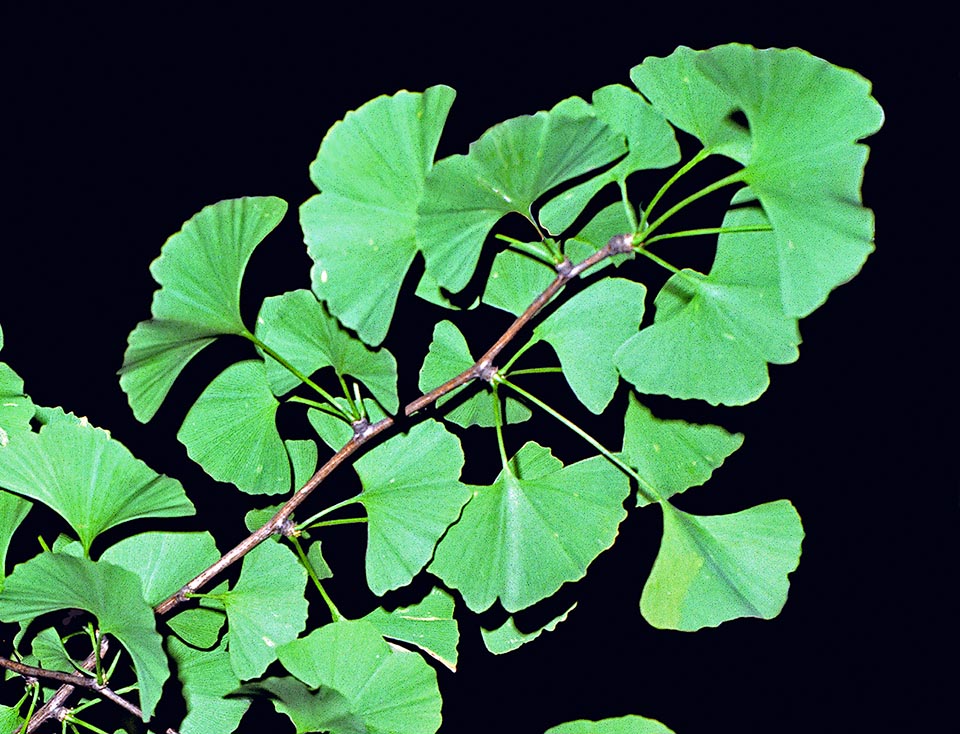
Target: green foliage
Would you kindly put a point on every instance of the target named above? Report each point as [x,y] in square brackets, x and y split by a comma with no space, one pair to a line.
[793,230]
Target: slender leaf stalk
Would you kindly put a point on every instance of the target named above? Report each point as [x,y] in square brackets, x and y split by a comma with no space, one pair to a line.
[326,511]
[685,168]
[708,230]
[715,186]
[643,486]
[312,573]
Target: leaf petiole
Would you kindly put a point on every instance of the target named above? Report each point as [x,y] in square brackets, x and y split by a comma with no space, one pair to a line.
[644,487]
[312,573]
[293,370]
[326,511]
[715,186]
[708,230]
[685,168]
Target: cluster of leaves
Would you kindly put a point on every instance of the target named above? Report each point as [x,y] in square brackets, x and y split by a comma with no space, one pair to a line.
[795,229]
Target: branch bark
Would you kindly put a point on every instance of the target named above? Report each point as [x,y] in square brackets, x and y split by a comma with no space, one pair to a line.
[618,245]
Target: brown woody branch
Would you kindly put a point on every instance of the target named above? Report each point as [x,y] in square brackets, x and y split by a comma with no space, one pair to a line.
[618,245]
[363,433]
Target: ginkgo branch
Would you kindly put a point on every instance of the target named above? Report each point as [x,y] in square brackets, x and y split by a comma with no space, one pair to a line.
[618,245]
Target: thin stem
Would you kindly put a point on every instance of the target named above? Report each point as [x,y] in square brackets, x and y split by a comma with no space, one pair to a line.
[354,412]
[96,652]
[517,355]
[498,422]
[644,487]
[312,573]
[709,230]
[326,511]
[325,407]
[527,249]
[628,207]
[701,155]
[715,186]
[293,370]
[342,521]
[535,371]
[74,721]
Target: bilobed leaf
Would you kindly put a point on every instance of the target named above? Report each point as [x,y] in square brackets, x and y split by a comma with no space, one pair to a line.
[713,569]
[805,117]
[163,561]
[412,493]
[505,171]
[508,638]
[90,479]
[619,725]
[447,357]
[650,142]
[231,431]
[13,510]
[199,271]
[539,525]
[54,581]
[297,326]
[713,336]
[428,624]
[323,710]
[265,609]
[673,455]
[587,330]
[391,691]
[207,678]
[359,230]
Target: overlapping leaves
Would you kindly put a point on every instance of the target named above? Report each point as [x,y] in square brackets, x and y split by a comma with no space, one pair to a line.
[506,170]
[713,335]
[412,493]
[805,117]
[199,272]
[387,689]
[539,525]
[53,581]
[359,230]
[87,477]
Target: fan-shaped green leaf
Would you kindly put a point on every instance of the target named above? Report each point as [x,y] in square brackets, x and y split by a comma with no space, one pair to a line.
[90,479]
[429,625]
[265,609]
[679,89]
[804,161]
[506,170]
[448,356]
[231,431]
[508,638]
[650,141]
[537,526]
[163,561]
[207,678]
[50,653]
[199,271]
[10,720]
[13,510]
[198,626]
[360,229]
[412,493]
[297,326]
[619,725]
[713,569]
[323,710]
[391,691]
[673,455]
[318,562]
[713,335]
[50,582]
[586,332]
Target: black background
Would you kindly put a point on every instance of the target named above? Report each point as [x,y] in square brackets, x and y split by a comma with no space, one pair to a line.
[121,125]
